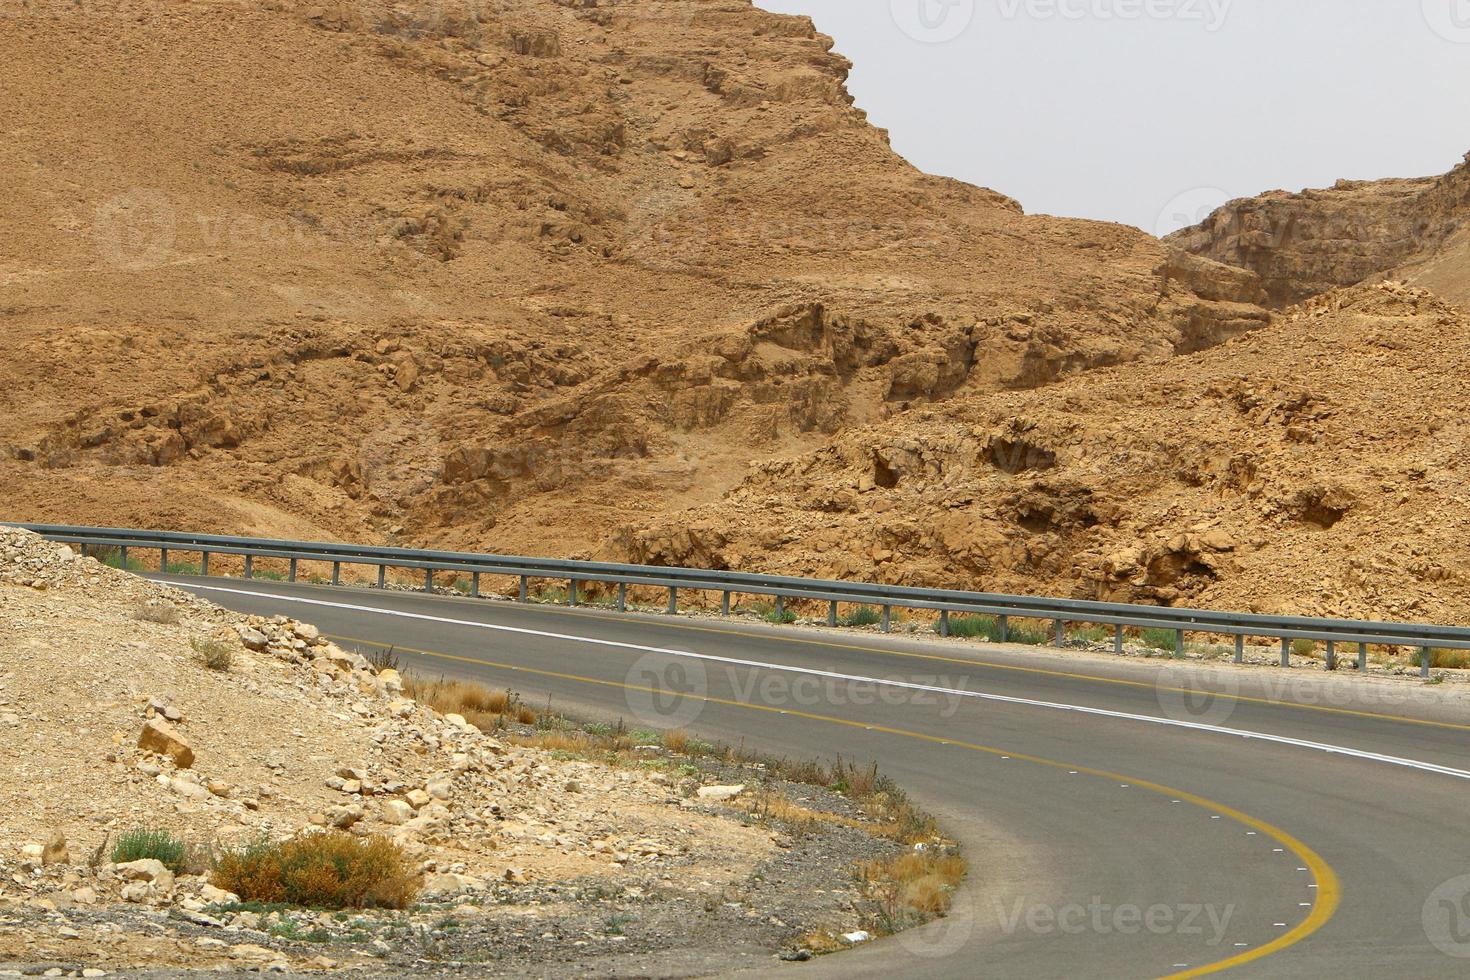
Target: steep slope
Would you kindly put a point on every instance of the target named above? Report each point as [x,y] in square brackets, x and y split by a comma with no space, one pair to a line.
[504,276]
[1319,467]
[1308,243]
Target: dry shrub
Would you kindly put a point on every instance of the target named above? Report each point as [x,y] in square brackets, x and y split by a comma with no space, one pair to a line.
[157,611]
[482,706]
[328,870]
[214,654]
[911,888]
[677,740]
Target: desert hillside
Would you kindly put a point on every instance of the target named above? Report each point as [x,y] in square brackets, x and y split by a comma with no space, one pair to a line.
[513,276]
[1317,467]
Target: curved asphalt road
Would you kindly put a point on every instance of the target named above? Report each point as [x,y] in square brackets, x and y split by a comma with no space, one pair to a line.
[1101,843]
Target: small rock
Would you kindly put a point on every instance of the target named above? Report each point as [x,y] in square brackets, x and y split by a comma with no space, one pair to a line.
[395,812]
[717,793]
[158,736]
[253,639]
[55,851]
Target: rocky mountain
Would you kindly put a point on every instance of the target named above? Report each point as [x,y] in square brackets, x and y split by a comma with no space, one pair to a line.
[515,275]
[1305,244]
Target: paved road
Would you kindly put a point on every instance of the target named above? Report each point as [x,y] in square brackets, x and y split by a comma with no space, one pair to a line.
[1122,818]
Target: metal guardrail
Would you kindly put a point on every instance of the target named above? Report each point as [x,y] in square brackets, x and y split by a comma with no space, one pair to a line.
[945,602]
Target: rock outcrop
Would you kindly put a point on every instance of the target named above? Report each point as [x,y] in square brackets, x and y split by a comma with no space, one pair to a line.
[1312,468]
[1304,244]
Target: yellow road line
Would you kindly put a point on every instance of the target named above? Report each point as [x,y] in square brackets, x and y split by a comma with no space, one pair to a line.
[1329,888]
[991,665]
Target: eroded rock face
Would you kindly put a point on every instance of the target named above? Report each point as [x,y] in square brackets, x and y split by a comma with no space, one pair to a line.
[1305,244]
[1307,468]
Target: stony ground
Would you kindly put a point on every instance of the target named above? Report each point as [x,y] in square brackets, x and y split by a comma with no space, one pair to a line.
[533,862]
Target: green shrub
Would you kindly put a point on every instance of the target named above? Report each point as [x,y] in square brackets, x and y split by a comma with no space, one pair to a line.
[1303,648]
[769,612]
[142,843]
[862,616]
[1446,659]
[1159,638]
[989,628]
[329,870]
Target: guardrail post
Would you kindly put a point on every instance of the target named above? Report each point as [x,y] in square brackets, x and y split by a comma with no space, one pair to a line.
[1118,638]
[291,572]
[525,588]
[428,580]
[1285,652]
[1331,654]
[382,576]
[887,618]
[673,600]
[780,608]
[1061,630]
[1004,622]
[475,584]
[571,592]
[122,557]
[622,597]
[944,622]
[204,563]
[1426,659]
[163,561]
[724,603]
[1362,658]
[1240,648]
[250,566]
[336,573]
[832,614]
[1179,644]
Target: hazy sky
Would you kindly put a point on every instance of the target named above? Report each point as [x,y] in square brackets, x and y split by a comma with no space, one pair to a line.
[1152,112]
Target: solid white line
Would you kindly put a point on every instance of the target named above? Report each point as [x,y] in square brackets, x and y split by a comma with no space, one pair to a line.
[906,685]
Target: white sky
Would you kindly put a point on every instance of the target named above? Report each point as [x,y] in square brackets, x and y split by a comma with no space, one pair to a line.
[1152,112]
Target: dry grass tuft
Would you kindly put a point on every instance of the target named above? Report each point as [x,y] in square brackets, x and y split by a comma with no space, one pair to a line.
[484,707]
[330,870]
[157,611]
[214,654]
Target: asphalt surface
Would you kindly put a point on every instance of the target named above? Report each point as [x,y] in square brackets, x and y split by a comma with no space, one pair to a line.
[1159,831]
